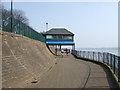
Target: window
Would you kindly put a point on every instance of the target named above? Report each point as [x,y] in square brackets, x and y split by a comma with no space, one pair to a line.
[55,37]
[49,37]
[60,37]
[67,37]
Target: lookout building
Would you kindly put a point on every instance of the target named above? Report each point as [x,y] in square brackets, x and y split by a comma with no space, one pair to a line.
[59,37]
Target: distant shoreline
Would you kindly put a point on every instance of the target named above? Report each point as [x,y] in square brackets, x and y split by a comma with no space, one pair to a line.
[100,48]
[108,50]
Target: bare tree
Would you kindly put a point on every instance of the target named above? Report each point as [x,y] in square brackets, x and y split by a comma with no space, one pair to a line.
[17,14]
[20,15]
[5,17]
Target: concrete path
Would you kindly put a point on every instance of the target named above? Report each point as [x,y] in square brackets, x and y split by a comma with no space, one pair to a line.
[70,72]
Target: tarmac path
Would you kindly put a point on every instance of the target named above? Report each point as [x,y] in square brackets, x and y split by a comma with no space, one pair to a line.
[70,72]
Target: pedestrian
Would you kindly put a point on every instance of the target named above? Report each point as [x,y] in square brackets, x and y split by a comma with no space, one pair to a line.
[67,51]
[62,52]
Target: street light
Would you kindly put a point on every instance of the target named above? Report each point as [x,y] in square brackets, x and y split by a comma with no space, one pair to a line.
[46,27]
[11,14]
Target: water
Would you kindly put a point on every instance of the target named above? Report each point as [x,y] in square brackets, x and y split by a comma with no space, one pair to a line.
[109,50]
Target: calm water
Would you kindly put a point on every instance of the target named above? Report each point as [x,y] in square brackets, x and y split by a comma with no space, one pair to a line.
[110,50]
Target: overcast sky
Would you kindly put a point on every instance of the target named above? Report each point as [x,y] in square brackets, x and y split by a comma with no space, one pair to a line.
[95,24]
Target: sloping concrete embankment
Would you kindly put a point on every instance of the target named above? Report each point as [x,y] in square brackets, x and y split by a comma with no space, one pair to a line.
[23,60]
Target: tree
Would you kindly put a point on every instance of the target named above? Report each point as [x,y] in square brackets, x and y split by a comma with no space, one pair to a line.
[17,14]
[20,15]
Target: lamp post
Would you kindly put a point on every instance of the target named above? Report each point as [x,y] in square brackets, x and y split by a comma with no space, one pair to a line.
[46,27]
[11,14]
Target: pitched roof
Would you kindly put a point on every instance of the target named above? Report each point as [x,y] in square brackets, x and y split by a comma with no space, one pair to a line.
[59,31]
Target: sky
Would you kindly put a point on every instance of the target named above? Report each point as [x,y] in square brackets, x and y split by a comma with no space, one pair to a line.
[95,24]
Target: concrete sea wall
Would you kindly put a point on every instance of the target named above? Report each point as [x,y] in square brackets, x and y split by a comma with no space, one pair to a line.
[23,60]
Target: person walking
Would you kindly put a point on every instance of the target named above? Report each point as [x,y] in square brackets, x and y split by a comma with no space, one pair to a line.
[67,51]
[62,52]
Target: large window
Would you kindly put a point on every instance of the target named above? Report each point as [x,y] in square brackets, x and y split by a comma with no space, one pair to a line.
[59,37]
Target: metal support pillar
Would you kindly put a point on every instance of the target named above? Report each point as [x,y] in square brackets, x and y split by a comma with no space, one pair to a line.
[60,47]
[56,50]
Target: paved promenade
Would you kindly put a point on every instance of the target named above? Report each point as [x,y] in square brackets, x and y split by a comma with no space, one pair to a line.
[70,72]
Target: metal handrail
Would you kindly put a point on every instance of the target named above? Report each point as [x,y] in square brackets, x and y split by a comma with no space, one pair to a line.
[113,61]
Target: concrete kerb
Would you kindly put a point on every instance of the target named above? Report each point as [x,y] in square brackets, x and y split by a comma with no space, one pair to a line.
[100,63]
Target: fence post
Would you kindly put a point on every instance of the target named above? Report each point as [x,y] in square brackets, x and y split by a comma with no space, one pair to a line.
[114,64]
[111,60]
[108,58]
[88,54]
[118,68]
[103,57]
[73,52]
[80,53]
[83,53]
[93,55]
[98,56]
